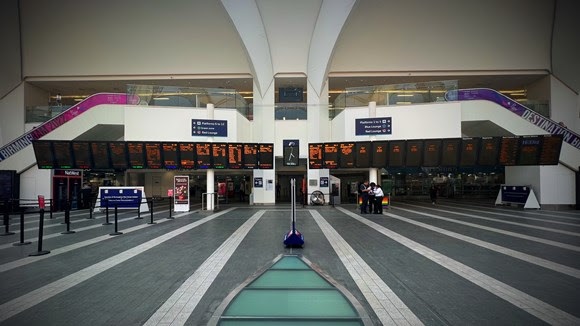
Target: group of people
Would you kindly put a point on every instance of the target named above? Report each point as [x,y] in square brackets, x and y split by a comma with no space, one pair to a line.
[372,198]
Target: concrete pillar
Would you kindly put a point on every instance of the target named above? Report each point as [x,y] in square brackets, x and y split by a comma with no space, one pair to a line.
[210,173]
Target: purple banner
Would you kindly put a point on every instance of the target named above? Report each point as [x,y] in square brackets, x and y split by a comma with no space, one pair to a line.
[531,116]
[25,140]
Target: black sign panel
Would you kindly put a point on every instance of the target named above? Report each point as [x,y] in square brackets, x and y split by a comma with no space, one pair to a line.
[203,154]
[219,155]
[432,152]
[508,152]
[469,151]
[82,155]
[153,155]
[43,153]
[187,155]
[62,155]
[266,156]
[397,151]
[488,151]
[363,154]
[450,152]
[170,155]
[291,152]
[100,155]
[551,147]
[250,156]
[136,152]
[529,150]
[346,155]
[235,156]
[330,155]
[414,153]
[380,154]
[315,160]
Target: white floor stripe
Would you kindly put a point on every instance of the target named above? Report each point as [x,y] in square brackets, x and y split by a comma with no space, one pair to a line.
[46,292]
[177,309]
[487,228]
[575,216]
[386,304]
[506,251]
[538,308]
[575,234]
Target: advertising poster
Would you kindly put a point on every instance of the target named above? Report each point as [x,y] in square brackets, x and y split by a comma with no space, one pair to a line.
[181,193]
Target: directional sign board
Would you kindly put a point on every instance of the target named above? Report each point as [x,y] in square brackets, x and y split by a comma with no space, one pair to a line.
[214,128]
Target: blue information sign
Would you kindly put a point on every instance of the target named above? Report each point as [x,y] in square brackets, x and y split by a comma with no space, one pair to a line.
[258,183]
[122,198]
[324,182]
[515,194]
[373,126]
[217,128]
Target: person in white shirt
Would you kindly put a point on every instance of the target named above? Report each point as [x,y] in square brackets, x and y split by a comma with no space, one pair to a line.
[379,194]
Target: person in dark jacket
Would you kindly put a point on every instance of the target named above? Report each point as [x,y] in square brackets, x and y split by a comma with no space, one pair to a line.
[364,195]
[433,194]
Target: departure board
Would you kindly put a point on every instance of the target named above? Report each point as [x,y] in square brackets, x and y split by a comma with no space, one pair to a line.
[153,155]
[469,152]
[508,151]
[235,156]
[219,155]
[203,154]
[432,152]
[82,155]
[266,157]
[43,153]
[414,155]
[62,155]
[346,156]
[136,151]
[100,155]
[187,155]
[488,151]
[330,155]
[118,152]
[529,149]
[250,156]
[315,155]
[363,154]
[551,147]
[380,151]
[170,157]
[397,150]
[450,151]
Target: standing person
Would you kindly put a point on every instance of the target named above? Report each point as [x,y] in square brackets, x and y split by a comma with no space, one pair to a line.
[364,194]
[371,192]
[379,194]
[433,194]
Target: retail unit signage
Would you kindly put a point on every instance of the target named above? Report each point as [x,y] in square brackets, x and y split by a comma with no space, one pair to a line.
[216,128]
[373,126]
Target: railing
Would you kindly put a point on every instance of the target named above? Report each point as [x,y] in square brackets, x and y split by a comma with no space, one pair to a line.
[214,198]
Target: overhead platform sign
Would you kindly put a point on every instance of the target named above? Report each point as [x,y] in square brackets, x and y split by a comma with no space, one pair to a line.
[213,128]
[373,126]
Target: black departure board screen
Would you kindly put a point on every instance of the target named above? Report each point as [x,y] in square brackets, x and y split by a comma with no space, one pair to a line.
[469,152]
[330,155]
[266,156]
[187,155]
[153,155]
[250,156]
[235,156]
[380,150]
[397,151]
[82,155]
[432,152]
[118,152]
[136,151]
[414,153]
[170,157]
[363,154]
[508,151]
[219,155]
[488,151]
[100,155]
[450,151]
[346,155]
[62,155]
[529,150]
[315,155]
[203,154]
[43,153]
[551,147]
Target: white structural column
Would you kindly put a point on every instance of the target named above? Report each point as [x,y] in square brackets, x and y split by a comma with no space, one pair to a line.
[373,172]
[210,174]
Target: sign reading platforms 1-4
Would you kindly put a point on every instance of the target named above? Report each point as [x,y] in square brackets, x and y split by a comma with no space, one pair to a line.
[373,126]
[214,128]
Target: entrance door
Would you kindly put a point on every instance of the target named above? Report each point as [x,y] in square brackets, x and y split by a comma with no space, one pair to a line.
[283,187]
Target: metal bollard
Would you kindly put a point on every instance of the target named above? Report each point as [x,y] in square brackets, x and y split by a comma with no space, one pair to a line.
[22,242]
[170,204]
[151,222]
[91,208]
[40,252]
[116,224]
[6,221]
[67,221]
[107,213]
[139,211]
